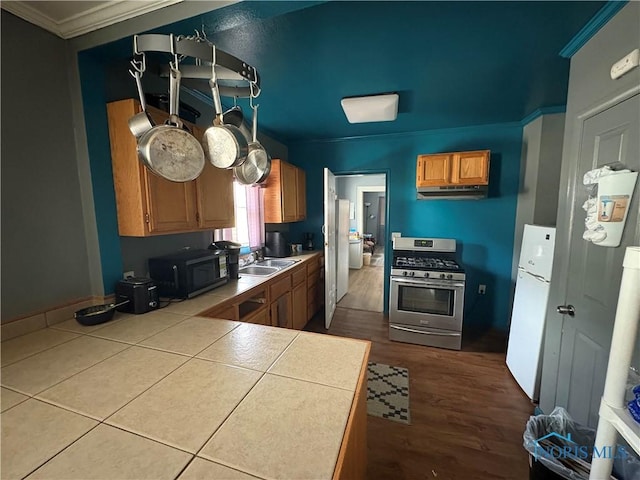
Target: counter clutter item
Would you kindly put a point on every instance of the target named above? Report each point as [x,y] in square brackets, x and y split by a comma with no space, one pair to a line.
[97,314]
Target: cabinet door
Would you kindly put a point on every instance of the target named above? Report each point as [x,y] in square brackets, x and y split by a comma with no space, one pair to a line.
[171,205]
[470,168]
[433,170]
[281,312]
[214,193]
[301,191]
[299,306]
[289,192]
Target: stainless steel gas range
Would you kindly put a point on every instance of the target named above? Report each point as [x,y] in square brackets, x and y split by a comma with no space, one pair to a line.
[426,293]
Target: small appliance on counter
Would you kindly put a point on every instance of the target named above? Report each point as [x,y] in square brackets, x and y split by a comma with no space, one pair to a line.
[308,241]
[232,250]
[188,273]
[141,293]
[276,245]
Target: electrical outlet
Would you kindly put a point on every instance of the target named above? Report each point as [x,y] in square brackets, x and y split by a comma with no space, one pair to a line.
[482,289]
[128,274]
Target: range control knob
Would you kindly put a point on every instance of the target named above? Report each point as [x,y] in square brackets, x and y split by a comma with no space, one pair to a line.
[442,275]
[411,274]
[404,274]
[450,276]
[426,274]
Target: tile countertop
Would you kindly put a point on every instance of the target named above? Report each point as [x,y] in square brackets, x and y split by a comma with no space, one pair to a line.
[166,395]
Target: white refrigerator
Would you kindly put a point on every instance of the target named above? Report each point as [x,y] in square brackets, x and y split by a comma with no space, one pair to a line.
[524,352]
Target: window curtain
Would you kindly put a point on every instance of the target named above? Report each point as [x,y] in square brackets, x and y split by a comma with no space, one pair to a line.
[253,215]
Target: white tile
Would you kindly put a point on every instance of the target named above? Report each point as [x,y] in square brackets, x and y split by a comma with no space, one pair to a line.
[104,388]
[186,407]
[9,398]
[250,346]
[109,453]
[44,369]
[190,336]
[33,432]
[135,328]
[32,343]
[332,361]
[201,469]
[73,325]
[284,428]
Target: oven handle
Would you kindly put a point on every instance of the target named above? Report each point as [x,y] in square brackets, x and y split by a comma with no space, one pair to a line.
[428,283]
[404,329]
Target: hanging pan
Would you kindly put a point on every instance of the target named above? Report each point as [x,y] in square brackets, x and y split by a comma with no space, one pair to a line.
[224,145]
[141,122]
[168,150]
[257,166]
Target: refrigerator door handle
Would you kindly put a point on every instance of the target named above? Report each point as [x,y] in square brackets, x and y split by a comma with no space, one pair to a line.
[539,277]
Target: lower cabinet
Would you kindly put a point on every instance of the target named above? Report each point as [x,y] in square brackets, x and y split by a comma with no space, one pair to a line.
[281,311]
[289,300]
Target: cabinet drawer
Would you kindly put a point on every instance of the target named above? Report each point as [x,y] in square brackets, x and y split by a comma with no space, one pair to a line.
[298,276]
[228,312]
[277,289]
[260,317]
[312,266]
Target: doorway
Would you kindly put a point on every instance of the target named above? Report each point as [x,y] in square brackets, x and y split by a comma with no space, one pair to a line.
[363,200]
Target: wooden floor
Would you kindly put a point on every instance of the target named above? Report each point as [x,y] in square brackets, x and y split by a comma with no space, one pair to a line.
[365,289]
[467,413]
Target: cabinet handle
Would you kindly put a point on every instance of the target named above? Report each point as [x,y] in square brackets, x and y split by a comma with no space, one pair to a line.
[146,218]
[197,217]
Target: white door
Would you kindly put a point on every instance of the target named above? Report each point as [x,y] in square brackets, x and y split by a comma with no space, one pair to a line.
[536,255]
[526,332]
[343,249]
[330,262]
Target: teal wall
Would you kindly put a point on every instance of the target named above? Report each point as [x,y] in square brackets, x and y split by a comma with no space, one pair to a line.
[483,228]
[93,80]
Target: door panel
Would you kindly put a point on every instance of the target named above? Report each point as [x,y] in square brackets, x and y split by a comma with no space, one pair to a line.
[594,272]
[433,170]
[330,262]
[171,205]
[214,190]
[289,193]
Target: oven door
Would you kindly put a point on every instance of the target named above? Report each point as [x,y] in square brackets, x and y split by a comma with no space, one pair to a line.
[426,303]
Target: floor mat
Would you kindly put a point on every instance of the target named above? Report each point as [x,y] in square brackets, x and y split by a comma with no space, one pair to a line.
[388,392]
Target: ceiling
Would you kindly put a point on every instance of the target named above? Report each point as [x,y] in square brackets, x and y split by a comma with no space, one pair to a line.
[453,64]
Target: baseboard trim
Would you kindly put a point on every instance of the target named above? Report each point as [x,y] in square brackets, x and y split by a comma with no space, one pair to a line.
[38,320]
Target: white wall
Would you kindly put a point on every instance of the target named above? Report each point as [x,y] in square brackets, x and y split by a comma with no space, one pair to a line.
[347,186]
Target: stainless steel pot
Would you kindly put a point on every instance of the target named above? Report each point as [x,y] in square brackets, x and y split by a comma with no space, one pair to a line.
[168,150]
[257,166]
[224,145]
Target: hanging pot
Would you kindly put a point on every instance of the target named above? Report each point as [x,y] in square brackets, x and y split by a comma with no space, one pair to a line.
[141,122]
[168,150]
[257,166]
[235,117]
[224,145]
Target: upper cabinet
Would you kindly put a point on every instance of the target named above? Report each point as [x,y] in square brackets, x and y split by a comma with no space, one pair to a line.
[456,168]
[150,205]
[284,193]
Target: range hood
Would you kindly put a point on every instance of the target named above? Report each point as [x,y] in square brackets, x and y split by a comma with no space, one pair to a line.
[453,192]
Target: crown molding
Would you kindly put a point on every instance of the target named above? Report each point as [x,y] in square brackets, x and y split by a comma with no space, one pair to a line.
[93,19]
[606,13]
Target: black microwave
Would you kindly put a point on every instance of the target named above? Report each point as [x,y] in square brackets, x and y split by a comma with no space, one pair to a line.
[188,273]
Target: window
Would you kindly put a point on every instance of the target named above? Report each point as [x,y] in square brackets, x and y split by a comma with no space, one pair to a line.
[249,213]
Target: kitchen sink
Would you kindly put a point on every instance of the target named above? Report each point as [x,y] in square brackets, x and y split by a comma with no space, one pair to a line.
[276,263]
[262,271]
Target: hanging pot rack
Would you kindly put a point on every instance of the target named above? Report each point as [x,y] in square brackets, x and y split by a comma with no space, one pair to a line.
[227,67]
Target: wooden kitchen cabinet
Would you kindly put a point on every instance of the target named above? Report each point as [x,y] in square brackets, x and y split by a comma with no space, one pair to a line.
[284,193]
[151,205]
[281,311]
[299,306]
[433,170]
[455,168]
[470,168]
